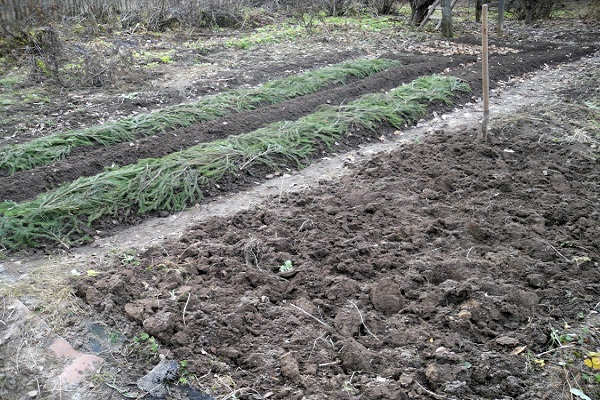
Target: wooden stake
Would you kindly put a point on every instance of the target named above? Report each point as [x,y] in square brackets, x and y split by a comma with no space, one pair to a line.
[483,135]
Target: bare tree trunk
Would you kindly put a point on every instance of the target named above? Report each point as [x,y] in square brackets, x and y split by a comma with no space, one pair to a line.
[419,10]
[531,10]
[478,5]
[500,24]
[447,19]
[528,11]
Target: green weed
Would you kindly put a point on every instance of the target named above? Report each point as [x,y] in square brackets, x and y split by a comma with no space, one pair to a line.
[286,267]
[6,101]
[153,58]
[166,59]
[363,23]
[9,81]
[128,257]
[41,67]
[267,35]
[185,376]
[34,98]
[349,387]
[146,344]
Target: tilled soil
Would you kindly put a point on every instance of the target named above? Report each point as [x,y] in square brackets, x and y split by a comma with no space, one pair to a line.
[421,272]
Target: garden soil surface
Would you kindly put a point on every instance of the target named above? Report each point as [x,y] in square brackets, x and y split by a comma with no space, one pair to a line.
[429,265]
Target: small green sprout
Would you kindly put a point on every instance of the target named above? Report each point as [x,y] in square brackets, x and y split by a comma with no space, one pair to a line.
[286,267]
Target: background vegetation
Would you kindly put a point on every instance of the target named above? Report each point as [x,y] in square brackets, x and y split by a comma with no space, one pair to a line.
[18,16]
[63,42]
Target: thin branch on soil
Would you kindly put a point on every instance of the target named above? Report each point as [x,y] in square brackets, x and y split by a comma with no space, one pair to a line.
[557,252]
[439,396]
[17,369]
[568,383]
[233,394]
[259,155]
[469,252]
[185,307]
[312,316]
[330,363]
[315,344]
[280,190]
[184,251]
[305,223]
[363,321]
[552,350]
[32,358]
[58,239]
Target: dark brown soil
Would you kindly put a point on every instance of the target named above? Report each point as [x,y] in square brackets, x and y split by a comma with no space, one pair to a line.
[419,273]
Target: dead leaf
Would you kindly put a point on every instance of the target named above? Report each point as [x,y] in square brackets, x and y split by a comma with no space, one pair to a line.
[539,362]
[592,362]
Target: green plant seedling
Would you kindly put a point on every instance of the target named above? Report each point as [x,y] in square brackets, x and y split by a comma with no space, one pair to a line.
[9,81]
[581,260]
[4,101]
[146,342]
[349,387]
[128,258]
[184,374]
[286,267]
[595,378]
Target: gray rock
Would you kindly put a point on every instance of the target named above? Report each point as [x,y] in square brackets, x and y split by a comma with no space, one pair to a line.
[154,381]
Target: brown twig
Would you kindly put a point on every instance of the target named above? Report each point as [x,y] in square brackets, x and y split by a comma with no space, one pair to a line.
[363,321]
[329,363]
[312,316]
[552,350]
[185,307]
[554,248]
[439,396]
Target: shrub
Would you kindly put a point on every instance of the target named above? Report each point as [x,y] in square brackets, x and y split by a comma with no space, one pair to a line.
[530,10]
[591,11]
[383,7]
